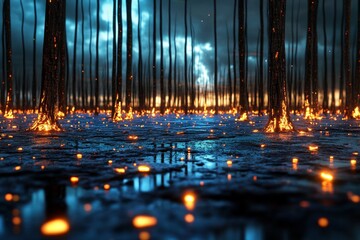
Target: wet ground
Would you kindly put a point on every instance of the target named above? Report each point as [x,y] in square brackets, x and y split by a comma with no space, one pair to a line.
[210,178]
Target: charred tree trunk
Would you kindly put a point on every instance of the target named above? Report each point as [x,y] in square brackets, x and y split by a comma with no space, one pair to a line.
[74,85]
[162,89]
[97,107]
[90,62]
[9,70]
[185,105]
[348,82]
[154,57]
[357,72]
[170,58]
[63,61]
[261,62]
[82,56]
[141,90]
[333,73]
[229,69]
[23,57]
[325,104]
[129,46]
[216,63]
[311,75]
[54,27]
[279,118]
[234,104]
[113,72]
[241,41]
[118,88]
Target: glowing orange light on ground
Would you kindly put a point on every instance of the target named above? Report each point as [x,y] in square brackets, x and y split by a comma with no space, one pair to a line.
[143,168]
[55,227]
[313,148]
[295,161]
[120,170]
[323,222]
[144,221]
[79,156]
[74,180]
[189,218]
[229,163]
[107,186]
[326,176]
[189,201]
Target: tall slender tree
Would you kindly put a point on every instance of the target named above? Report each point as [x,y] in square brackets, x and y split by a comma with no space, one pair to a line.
[113,72]
[333,73]
[129,46]
[170,57]
[234,104]
[9,66]
[216,63]
[261,61]
[97,106]
[325,104]
[279,117]
[346,50]
[118,88]
[141,90]
[54,22]
[82,56]
[185,106]
[154,56]
[241,42]
[162,89]
[356,97]
[74,85]
[24,90]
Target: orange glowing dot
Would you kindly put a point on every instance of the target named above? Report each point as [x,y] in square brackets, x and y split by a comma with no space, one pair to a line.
[262,145]
[229,177]
[326,176]
[42,167]
[313,148]
[202,183]
[189,149]
[355,153]
[331,158]
[295,160]
[79,156]
[144,235]
[74,180]
[189,218]
[229,163]
[16,220]
[87,207]
[144,221]
[254,178]
[55,227]
[17,168]
[323,222]
[120,170]
[110,162]
[304,204]
[106,186]
[353,197]
[133,137]
[353,162]
[8,197]
[189,201]
[143,168]
[20,149]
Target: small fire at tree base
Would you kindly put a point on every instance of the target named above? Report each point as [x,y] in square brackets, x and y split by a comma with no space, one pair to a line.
[44,124]
[279,122]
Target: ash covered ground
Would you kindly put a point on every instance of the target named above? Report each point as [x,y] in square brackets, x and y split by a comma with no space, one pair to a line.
[244,182]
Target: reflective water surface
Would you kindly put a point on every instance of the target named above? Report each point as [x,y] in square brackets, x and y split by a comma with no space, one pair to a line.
[179,177]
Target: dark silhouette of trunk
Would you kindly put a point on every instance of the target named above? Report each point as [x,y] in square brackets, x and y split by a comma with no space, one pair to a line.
[279,118]
[129,75]
[325,81]
[229,86]
[333,73]
[175,69]
[9,70]
[118,89]
[185,105]
[63,61]
[82,56]
[141,90]
[356,97]
[106,98]
[216,63]
[341,81]
[170,57]
[3,64]
[162,89]
[241,42]
[74,85]
[97,107]
[90,62]
[311,71]
[234,104]
[346,49]
[54,32]
[113,72]
[23,57]
[297,84]
[154,56]
[192,95]
[261,62]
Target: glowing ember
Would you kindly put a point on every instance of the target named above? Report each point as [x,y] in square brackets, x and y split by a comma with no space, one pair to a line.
[353,197]
[20,149]
[55,227]
[243,117]
[295,160]
[120,170]
[326,176]
[144,221]
[189,218]
[304,204]
[356,113]
[133,137]
[118,113]
[189,201]
[281,123]
[44,124]
[106,186]
[143,168]
[352,162]
[144,235]
[74,180]
[16,220]
[87,207]
[323,222]
[8,197]
[229,163]
[313,148]
[79,156]
[262,145]
[110,162]
[17,168]
[129,115]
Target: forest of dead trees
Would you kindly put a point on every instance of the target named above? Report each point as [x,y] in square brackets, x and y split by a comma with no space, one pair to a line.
[326,80]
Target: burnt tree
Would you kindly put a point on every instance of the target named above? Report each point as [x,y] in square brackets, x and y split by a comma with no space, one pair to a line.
[9,66]
[129,46]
